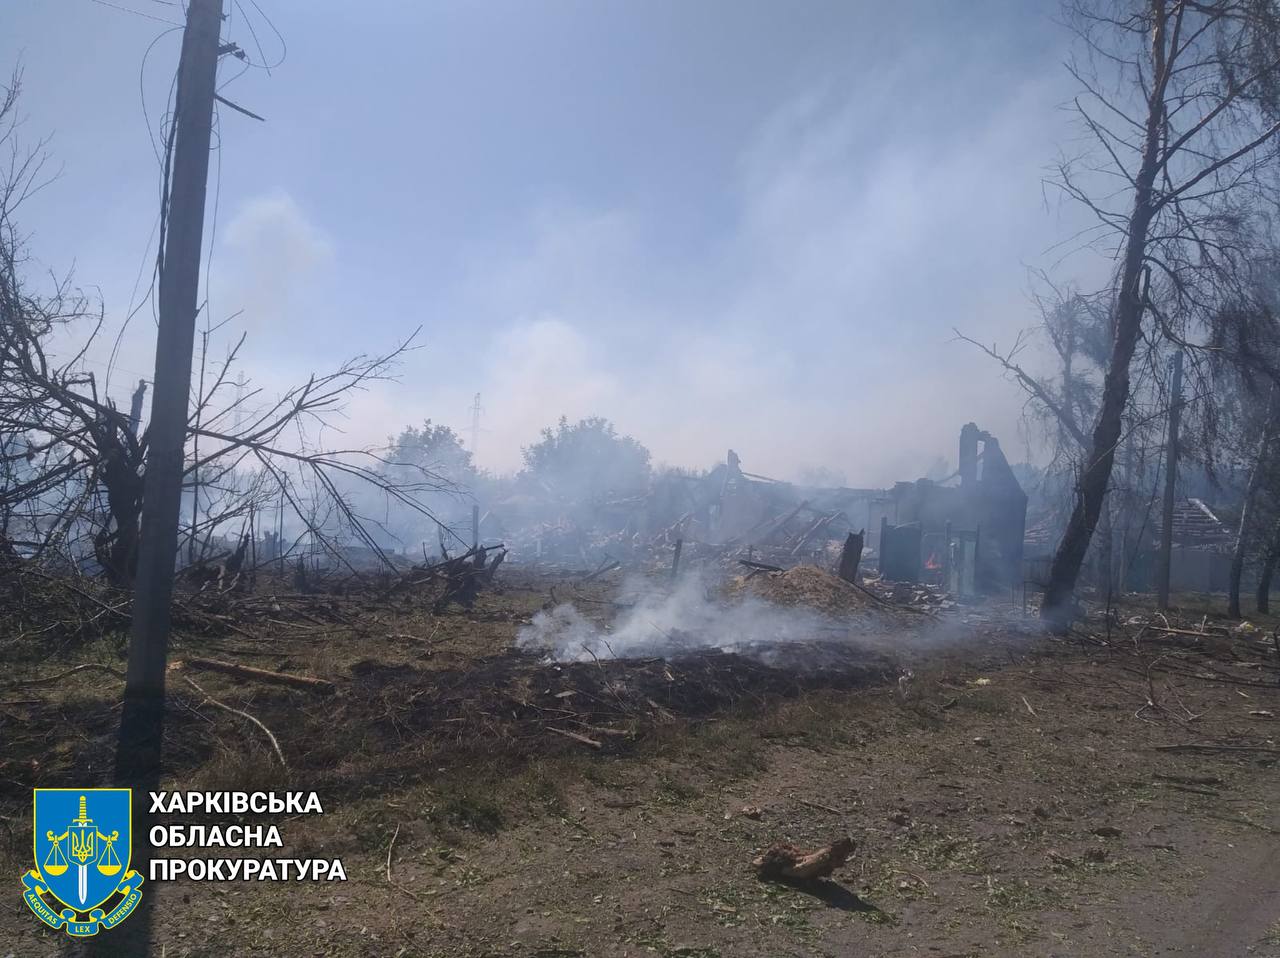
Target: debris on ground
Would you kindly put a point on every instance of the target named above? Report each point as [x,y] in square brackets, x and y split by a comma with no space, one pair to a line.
[310,683]
[786,861]
[809,586]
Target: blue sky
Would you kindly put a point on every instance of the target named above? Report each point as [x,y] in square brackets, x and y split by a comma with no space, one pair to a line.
[719,223]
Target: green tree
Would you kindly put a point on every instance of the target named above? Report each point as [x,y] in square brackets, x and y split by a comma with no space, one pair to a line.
[436,448]
[587,461]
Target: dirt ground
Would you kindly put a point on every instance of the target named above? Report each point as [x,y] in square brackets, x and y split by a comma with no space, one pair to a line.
[1010,794]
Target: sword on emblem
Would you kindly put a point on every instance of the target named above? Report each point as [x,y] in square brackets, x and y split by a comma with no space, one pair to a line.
[83,847]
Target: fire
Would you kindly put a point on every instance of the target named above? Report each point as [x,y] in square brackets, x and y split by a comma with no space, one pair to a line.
[933,563]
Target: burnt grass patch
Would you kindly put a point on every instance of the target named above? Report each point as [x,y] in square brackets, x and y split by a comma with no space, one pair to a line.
[395,725]
[64,742]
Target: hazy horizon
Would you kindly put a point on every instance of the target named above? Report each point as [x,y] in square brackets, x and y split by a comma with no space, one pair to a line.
[717,225]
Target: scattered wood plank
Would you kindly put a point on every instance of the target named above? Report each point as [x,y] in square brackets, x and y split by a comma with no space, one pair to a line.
[813,530]
[323,686]
[760,566]
[778,524]
[576,737]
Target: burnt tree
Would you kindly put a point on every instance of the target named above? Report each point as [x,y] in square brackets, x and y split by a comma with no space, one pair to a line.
[1191,132]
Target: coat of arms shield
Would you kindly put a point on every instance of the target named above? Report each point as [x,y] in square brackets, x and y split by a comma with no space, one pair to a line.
[83,847]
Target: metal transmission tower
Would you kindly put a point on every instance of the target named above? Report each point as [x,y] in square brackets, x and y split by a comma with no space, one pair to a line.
[476,409]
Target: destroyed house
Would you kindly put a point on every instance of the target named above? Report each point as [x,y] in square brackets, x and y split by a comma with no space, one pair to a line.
[1200,557]
[745,509]
[965,531]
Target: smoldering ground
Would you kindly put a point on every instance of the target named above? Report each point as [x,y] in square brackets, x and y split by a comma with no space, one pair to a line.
[661,622]
[701,613]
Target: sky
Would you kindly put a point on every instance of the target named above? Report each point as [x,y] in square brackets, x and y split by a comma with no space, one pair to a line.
[721,223]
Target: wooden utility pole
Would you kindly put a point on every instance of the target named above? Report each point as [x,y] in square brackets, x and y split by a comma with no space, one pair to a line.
[142,719]
[1165,566]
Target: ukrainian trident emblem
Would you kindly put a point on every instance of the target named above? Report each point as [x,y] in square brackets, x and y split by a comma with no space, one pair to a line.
[82,854]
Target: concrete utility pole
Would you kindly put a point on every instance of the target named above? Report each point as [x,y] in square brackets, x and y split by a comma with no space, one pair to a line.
[142,720]
[1165,565]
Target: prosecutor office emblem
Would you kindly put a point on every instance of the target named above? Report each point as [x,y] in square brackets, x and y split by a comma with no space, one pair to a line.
[81,879]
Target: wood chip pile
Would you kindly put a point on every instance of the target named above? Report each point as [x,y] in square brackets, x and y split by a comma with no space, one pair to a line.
[808,586]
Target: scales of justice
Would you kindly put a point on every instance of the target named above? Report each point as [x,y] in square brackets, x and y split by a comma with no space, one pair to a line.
[85,845]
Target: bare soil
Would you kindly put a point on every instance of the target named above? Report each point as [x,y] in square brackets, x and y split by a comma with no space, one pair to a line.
[1112,793]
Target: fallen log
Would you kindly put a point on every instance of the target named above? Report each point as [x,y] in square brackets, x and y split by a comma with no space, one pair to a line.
[323,686]
[783,860]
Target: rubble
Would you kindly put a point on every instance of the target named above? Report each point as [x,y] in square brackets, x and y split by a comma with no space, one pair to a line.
[914,545]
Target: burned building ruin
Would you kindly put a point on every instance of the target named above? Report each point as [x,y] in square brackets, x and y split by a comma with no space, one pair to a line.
[965,531]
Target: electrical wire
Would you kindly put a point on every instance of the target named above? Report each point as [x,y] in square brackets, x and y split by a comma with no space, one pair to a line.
[217,202]
[167,129]
[136,13]
[163,162]
[142,91]
[284,47]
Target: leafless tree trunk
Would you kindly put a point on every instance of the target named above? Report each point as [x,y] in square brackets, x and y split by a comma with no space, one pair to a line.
[1269,560]
[1204,76]
[1091,488]
[1257,475]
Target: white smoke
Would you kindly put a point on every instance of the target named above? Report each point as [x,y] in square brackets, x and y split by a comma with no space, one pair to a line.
[669,623]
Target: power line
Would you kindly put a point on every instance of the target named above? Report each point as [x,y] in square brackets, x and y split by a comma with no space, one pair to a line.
[137,13]
[248,22]
[135,305]
[284,47]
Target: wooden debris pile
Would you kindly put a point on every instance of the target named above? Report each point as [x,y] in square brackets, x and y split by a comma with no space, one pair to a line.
[921,596]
